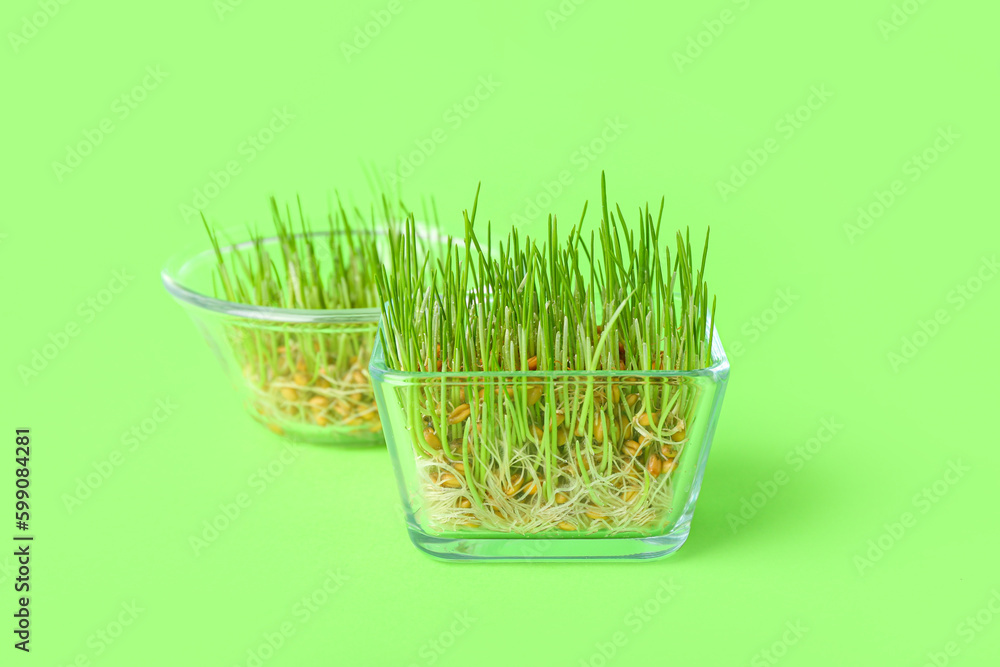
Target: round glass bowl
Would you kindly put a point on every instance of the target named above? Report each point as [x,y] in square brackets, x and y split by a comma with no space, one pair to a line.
[301,373]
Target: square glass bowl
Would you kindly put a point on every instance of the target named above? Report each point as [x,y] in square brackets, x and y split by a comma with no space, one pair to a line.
[536,465]
[301,373]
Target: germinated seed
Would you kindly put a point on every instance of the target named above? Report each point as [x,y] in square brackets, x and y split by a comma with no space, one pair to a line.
[459,414]
[432,438]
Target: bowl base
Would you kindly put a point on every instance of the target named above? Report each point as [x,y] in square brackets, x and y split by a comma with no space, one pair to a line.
[322,435]
[518,548]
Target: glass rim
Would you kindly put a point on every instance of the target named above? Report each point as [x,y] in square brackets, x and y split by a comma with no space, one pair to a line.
[379,370]
[170,276]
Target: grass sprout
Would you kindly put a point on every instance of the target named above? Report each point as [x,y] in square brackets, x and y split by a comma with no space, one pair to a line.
[307,375]
[565,428]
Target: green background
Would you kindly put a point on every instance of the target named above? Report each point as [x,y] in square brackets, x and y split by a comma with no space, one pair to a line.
[597,86]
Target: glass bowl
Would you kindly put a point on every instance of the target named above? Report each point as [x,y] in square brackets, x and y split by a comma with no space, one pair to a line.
[534,465]
[301,373]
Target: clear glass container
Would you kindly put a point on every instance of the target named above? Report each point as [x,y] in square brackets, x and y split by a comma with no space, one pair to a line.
[549,465]
[301,373]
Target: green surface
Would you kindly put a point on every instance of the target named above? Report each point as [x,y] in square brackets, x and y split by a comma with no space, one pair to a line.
[810,309]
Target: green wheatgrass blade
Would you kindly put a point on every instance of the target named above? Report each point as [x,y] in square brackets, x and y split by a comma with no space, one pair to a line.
[556,453]
[308,376]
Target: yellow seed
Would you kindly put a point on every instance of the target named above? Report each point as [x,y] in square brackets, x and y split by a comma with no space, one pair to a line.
[645,418]
[537,432]
[632,447]
[320,420]
[360,377]
[534,394]
[643,441]
[321,383]
[277,429]
[631,494]
[559,418]
[289,393]
[300,365]
[376,427]
[301,379]
[561,436]
[667,451]
[654,465]
[616,393]
[532,363]
[431,438]
[449,481]
[566,525]
[319,402]
[531,488]
[459,414]
[599,428]
[678,436]
[459,466]
[594,513]
[516,482]
[631,399]
[561,498]
[341,409]
[464,503]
